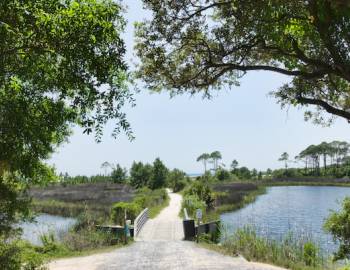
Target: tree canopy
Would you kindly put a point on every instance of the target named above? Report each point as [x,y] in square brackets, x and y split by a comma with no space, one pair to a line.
[66,54]
[198,46]
[61,63]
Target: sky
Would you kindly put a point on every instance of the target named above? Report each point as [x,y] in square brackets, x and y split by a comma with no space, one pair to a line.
[243,123]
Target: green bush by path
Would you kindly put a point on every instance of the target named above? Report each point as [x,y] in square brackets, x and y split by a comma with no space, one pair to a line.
[154,200]
[131,209]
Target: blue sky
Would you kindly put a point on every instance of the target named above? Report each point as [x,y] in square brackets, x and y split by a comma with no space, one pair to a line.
[243,123]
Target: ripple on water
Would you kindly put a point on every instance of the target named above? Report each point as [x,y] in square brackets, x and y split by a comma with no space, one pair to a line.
[301,210]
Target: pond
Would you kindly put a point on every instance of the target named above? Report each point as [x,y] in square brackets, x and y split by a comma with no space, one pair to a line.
[300,210]
[44,224]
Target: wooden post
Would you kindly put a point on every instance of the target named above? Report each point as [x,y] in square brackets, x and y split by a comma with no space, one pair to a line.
[125,228]
[197,238]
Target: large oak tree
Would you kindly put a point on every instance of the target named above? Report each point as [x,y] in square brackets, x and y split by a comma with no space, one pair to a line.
[199,45]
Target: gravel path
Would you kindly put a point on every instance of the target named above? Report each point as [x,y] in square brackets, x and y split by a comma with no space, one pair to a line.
[159,246]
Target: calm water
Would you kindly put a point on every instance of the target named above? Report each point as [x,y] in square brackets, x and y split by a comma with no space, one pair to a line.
[44,224]
[301,210]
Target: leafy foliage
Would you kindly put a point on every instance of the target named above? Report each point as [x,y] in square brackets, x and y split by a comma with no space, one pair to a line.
[176,180]
[140,174]
[59,53]
[199,46]
[159,175]
[338,224]
[119,174]
[202,191]
[62,64]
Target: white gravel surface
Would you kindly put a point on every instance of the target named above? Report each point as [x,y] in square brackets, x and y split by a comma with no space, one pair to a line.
[160,246]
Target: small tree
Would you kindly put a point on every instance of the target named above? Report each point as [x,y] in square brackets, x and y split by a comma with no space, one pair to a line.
[284,157]
[118,174]
[140,174]
[338,224]
[176,180]
[234,165]
[159,175]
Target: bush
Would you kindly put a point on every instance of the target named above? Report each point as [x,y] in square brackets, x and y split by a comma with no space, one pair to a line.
[9,256]
[132,209]
[203,192]
[20,255]
[145,198]
[222,174]
[176,180]
[310,254]
[338,224]
[192,203]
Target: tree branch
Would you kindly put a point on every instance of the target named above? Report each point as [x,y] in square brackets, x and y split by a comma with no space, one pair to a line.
[329,108]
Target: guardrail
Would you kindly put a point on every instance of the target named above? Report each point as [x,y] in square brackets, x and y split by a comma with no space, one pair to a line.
[140,220]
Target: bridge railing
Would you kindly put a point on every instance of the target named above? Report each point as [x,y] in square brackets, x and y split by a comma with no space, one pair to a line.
[140,220]
[186,217]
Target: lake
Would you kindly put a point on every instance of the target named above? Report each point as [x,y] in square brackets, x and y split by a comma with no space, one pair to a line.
[43,224]
[301,210]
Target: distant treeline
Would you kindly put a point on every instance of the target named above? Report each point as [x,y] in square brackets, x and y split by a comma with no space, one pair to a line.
[327,159]
[153,176]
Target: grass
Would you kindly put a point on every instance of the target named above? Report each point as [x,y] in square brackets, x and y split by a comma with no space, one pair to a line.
[245,199]
[292,252]
[68,209]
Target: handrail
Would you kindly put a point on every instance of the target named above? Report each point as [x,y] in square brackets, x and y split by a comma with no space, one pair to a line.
[186,214]
[140,220]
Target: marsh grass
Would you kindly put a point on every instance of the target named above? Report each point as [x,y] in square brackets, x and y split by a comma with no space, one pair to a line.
[68,209]
[292,252]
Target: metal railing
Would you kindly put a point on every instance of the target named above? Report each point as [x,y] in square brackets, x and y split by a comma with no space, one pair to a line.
[186,214]
[139,221]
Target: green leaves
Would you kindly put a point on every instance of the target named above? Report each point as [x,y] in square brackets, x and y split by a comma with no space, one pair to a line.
[69,50]
[338,224]
[201,46]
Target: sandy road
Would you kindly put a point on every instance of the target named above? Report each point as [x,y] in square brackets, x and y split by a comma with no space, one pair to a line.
[160,246]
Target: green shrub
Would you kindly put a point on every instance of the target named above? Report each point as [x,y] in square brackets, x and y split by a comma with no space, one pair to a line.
[191,203]
[20,255]
[132,209]
[49,243]
[176,180]
[338,224]
[222,174]
[202,191]
[10,256]
[310,254]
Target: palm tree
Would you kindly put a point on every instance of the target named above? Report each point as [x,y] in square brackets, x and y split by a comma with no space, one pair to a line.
[204,158]
[105,165]
[284,157]
[215,156]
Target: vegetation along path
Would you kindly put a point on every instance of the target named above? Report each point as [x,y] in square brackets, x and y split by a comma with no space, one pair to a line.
[160,246]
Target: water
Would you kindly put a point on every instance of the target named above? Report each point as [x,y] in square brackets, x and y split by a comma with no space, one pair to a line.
[301,210]
[43,224]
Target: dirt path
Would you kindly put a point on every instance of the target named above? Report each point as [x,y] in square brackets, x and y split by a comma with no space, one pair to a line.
[159,246]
